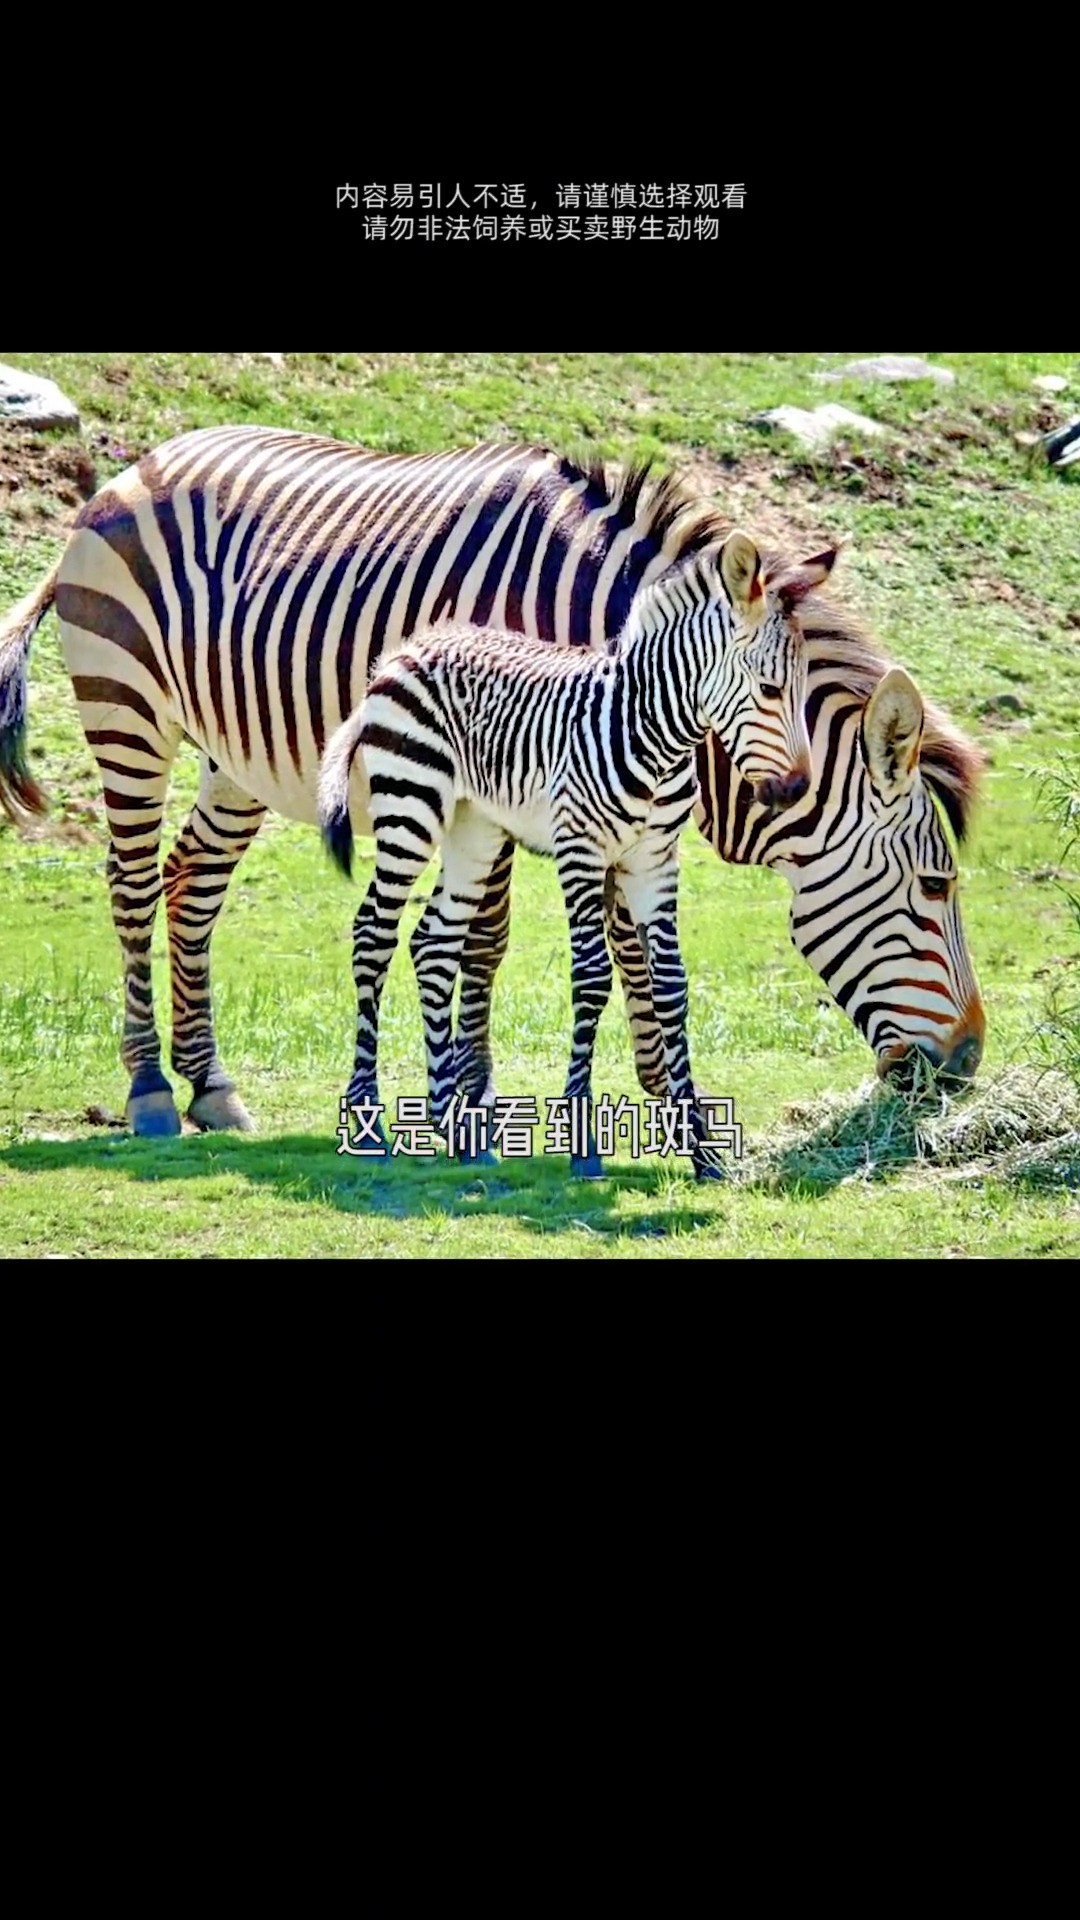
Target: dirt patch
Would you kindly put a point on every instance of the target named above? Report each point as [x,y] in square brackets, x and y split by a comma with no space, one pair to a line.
[76,823]
[756,491]
[63,828]
[1004,710]
[1048,417]
[43,482]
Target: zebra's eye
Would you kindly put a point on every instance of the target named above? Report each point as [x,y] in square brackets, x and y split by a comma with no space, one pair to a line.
[935,885]
[770,692]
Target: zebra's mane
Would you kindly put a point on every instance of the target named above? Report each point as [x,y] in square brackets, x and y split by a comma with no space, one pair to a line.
[951,764]
[664,503]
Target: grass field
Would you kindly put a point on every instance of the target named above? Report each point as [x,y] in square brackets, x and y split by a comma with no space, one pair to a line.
[964,559]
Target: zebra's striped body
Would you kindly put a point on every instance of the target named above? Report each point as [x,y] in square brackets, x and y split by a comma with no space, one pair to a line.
[480,734]
[239,586]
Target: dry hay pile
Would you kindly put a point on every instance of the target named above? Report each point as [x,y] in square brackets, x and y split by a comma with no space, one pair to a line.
[1021,1124]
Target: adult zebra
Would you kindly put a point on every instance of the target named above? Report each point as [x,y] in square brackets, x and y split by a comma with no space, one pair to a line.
[237,587]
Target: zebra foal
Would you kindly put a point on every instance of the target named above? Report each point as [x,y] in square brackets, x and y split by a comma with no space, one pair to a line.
[480,733]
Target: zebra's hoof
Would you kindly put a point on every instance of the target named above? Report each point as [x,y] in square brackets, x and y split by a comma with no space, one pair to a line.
[485,1158]
[152,1116]
[588,1166]
[709,1172]
[216,1111]
[472,1093]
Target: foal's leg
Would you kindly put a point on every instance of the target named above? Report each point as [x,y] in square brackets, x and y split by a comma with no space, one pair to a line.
[470,850]
[400,857]
[485,948]
[216,834]
[581,875]
[649,878]
[633,970]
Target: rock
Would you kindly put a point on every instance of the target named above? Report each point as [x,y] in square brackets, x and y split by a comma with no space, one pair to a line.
[29,401]
[1050,382]
[816,428]
[891,366]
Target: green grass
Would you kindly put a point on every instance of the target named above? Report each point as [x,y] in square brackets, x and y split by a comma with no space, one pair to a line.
[965,560]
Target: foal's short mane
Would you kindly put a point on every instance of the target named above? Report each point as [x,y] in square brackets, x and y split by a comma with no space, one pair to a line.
[952,765]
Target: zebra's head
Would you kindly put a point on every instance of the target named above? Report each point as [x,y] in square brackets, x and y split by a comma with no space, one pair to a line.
[754,695]
[875,909]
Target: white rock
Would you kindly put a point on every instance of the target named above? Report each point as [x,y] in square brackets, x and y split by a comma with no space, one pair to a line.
[31,401]
[891,366]
[1050,382]
[815,429]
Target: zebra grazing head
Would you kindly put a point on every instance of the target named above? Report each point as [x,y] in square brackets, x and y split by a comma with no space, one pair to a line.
[877,913]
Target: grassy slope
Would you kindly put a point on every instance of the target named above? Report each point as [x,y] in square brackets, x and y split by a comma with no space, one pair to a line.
[965,560]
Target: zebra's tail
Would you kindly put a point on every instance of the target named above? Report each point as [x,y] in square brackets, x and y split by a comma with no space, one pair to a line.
[332,805]
[20,795]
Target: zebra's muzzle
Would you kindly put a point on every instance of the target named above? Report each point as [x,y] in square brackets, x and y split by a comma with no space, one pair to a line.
[962,1063]
[782,790]
[898,1064]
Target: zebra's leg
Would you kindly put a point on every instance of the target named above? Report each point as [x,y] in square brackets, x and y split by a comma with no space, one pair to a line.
[485,948]
[375,938]
[135,772]
[581,876]
[648,879]
[470,851]
[215,836]
[633,970]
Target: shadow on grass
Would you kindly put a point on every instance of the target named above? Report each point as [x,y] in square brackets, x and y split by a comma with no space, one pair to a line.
[539,1192]
[870,1141]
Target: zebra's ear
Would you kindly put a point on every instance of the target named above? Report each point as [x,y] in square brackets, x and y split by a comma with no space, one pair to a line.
[892,727]
[794,583]
[740,571]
